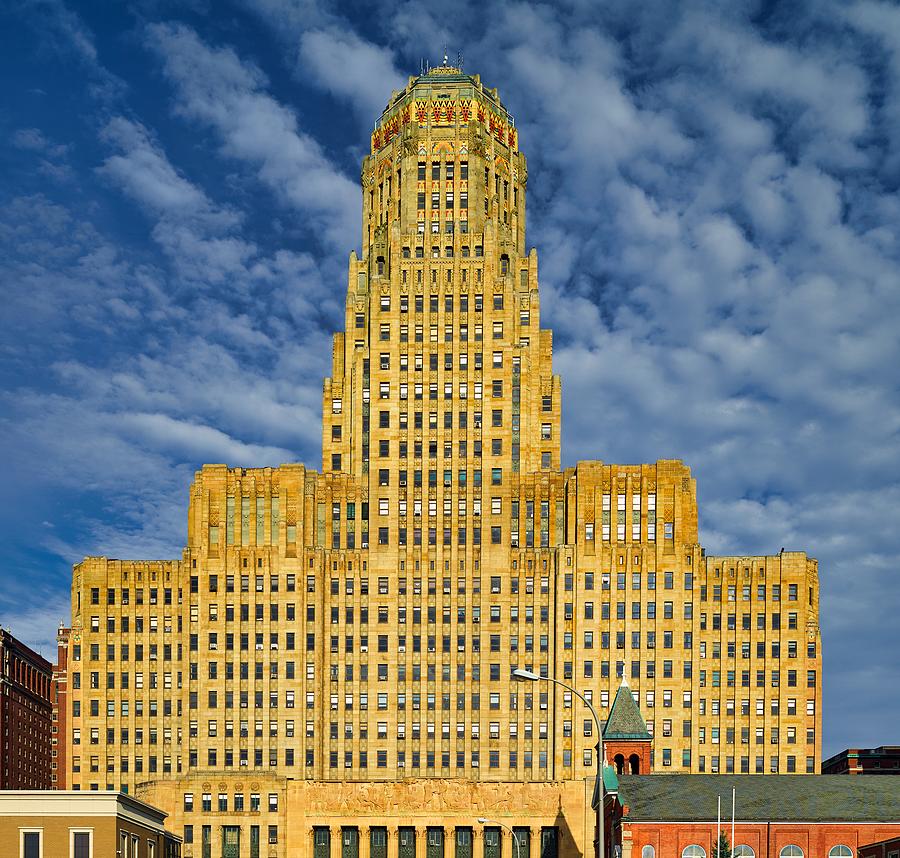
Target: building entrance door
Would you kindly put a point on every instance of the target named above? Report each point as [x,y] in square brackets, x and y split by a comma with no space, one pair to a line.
[231,841]
[350,843]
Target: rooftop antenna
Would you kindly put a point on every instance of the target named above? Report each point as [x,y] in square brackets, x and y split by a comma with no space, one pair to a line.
[445,54]
[459,60]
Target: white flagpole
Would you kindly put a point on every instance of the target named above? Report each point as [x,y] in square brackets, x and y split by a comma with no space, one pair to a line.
[718,828]
[733,795]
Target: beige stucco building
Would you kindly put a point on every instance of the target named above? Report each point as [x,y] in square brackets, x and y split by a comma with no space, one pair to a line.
[360,624]
[69,824]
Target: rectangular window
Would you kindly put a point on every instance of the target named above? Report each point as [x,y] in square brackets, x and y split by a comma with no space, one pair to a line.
[31,844]
[81,844]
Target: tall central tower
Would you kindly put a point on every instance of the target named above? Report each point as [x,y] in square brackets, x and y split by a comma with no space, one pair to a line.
[442,388]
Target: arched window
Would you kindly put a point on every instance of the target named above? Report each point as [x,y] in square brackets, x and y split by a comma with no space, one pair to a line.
[742,850]
[648,852]
[840,851]
[693,851]
[634,763]
[791,851]
[619,761]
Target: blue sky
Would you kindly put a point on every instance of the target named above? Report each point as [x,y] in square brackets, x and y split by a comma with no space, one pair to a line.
[712,192]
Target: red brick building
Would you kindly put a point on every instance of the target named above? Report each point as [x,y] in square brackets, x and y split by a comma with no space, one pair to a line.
[59,743]
[881,849]
[25,716]
[884,760]
[626,740]
[777,816]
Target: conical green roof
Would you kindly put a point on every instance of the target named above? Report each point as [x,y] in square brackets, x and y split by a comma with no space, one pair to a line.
[625,720]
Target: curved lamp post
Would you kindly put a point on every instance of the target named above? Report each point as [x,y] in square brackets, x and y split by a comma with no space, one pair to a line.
[530,676]
[483,820]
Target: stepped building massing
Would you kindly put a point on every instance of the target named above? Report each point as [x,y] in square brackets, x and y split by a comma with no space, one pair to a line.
[362,623]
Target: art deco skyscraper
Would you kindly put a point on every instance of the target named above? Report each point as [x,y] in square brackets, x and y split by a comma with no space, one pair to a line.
[362,623]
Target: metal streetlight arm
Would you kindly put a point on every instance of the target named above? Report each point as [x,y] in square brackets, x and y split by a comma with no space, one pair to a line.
[483,820]
[521,673]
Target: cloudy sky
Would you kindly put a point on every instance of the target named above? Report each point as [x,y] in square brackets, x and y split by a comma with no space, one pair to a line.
[713,193]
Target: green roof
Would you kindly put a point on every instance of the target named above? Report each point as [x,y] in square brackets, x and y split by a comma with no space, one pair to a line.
[625,720]
[610,785]
[761,798]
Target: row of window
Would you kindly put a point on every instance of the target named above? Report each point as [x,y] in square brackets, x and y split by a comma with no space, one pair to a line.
[449,199]
[415,758]
[650,641]
[729,735]
[461,481]
[125,595]
[418,419]
[237,803]
[384,392]
[435,838]
[418,448]
[742,850]
[384,332]
[512,730]
[231,835]
[759,765]
[384,361]
[261,582]
[80,844]
[449,171]
[606,532]
[431,698]
[451,303]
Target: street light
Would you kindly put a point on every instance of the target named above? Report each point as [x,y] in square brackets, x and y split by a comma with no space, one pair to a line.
[530,676]
[483,820]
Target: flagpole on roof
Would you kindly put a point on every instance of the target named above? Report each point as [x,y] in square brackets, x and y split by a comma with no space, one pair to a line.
[718,827]
[733,795]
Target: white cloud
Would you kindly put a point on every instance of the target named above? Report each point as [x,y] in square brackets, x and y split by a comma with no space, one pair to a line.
[36,626]
[199,443]
[144,172]
[350,68]
[215,87]
[324,50]
[197,235]
[33,139]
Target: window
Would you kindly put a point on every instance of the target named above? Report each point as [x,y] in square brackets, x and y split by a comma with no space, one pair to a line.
[31,844]
[840,851]
[81,844]
[742,850]
[693,851]
[791,851]
[648,852]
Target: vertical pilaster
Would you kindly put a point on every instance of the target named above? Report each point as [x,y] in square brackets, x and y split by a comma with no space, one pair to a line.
[507,847]
[393,841]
